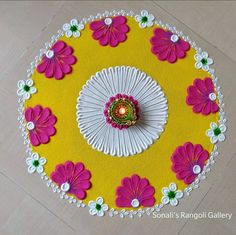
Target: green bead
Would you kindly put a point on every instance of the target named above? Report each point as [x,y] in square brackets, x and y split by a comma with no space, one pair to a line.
[26,88]
[217,131]
[98,207]
[36,163]
[171,194]
[204,61]
[144,19]
[73,28]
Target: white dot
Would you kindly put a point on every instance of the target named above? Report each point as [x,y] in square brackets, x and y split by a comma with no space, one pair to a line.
[65,187]
[174,38]
[196,169]
[49,54]
[122,111]
[108,21]
[212,96]
[135,202]
[30,126]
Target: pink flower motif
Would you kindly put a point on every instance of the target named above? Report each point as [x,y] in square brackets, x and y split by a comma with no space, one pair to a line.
[111,30]
[135,192]
[72,178]
[188,161]
[40,124]
[57,61]
[202,97]
[168,46]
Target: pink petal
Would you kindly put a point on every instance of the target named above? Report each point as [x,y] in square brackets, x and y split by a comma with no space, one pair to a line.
[49,72]
[113,41]
[160,33]
[135,181]
[69,169]
[126,182]
[200,85]
[148,202]
[197,150]
[66,51]
[121,37]
[96,25]
[60,169]
[123,202]
[198,108]
[204,156]
[85,184]
[100,33]
[179,51]
[207,108]
[84,175]
[57,178]
[58,46]
[193,100]
[58,74]
[28,114]
[34,138]
[209,84]
[69,59]
[124,192]
[43,137]
[79,167]
[42,66]
[193,91]
[122,28]
[36,112]
[45,113]
[80,193]
[147,192]
[183,174]
[189,149]
[66,69]
[189,179]
[163,55]
[49,130]
[183,45]
[104,40]
[159,49]
[214,107]
[118,20]
[172,56]
[51,120]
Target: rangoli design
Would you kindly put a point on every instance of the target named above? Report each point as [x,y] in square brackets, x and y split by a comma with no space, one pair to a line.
[129,121]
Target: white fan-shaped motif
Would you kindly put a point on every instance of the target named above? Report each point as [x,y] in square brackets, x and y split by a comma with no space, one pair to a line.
[124,80]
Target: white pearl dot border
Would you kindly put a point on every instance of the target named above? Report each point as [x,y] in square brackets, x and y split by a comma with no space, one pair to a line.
[113,212]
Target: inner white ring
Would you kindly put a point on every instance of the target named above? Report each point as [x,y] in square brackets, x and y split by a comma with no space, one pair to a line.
[96,93]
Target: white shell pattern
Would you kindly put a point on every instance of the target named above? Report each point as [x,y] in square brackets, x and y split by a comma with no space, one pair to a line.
[124,80]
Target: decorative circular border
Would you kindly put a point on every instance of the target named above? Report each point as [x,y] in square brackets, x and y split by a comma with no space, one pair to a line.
[113,212]
[138,79]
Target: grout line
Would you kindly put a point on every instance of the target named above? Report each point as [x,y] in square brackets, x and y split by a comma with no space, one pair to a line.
[181,229]
[201,37]
[35,199]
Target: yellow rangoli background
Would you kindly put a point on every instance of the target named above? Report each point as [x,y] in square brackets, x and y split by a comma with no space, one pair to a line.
[107,171]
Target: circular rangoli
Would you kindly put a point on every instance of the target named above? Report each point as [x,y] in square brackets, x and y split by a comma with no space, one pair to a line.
[121,114]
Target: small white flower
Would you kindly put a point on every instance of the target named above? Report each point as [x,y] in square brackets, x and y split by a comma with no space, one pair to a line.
[203,61]
[216,132]
[26,89]
[73,28]
[171,195]
[145,19]
[97,207]
[35,163]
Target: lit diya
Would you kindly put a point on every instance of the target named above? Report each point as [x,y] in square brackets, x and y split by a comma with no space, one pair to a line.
[121,111]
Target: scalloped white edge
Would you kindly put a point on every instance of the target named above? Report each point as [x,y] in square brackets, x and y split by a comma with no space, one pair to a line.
[123,212]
